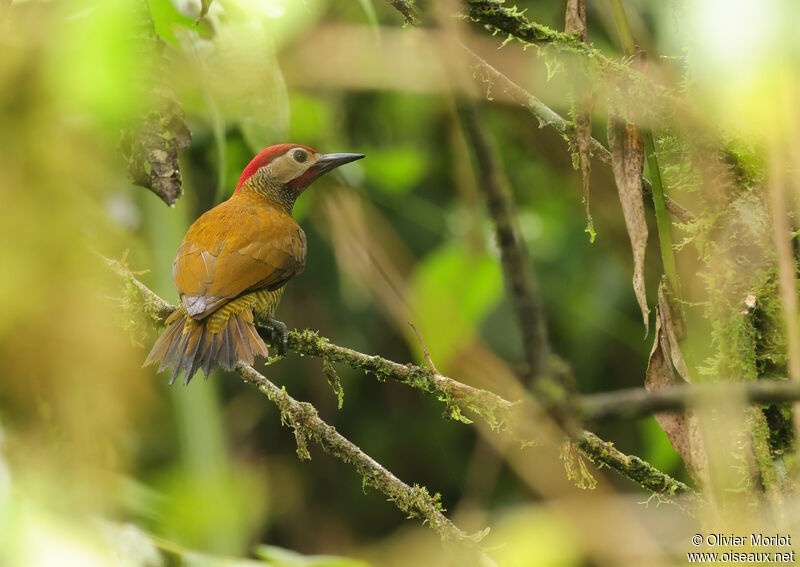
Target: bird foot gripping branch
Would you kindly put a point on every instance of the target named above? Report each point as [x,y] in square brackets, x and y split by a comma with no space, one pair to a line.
[279,335]
[234,262]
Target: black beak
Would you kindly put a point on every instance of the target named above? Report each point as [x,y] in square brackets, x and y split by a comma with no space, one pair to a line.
[323,165]
[327,162]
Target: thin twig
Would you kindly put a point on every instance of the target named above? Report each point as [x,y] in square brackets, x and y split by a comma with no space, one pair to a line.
[427,354]
[583,100]
[603,453]
[549,117]
[499,413]
[513,253]
[637,402]
[407,8]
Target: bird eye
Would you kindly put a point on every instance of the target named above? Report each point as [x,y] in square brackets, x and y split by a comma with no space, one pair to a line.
[300,156]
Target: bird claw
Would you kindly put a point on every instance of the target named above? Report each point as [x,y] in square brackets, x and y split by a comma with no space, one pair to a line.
[279,335]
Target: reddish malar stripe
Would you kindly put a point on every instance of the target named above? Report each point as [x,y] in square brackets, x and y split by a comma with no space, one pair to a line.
[266,156]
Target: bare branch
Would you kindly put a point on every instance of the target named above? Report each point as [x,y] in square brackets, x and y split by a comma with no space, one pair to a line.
[636,402]
[513,252]
[427,354]
[546,115]
[205,5]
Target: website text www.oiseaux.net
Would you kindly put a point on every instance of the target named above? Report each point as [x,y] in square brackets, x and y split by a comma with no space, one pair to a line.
[759,549]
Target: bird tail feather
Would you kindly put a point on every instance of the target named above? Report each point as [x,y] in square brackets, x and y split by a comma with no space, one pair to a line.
[189,345]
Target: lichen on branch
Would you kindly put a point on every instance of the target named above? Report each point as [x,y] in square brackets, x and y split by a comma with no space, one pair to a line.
[151,141]
[407,8]
[414,501]
[302,417]
[500,414]
[546,116]
[511,20]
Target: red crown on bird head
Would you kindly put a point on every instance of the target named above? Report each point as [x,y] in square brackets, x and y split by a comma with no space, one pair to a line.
[264,157]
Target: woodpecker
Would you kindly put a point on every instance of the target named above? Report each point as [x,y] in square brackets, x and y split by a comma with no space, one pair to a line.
[233,264]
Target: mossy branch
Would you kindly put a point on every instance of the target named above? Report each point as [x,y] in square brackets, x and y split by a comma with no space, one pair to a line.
[549,388]
[150,143]
[602,453]
[546,116]
[500,414]
[407,8]
[415,501]
[498,17]
[512,21]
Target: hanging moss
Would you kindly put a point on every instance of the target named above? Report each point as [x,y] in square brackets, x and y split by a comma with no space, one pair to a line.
[732,237]
[744,304]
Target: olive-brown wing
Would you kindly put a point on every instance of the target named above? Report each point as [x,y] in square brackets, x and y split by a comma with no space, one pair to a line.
[234,248]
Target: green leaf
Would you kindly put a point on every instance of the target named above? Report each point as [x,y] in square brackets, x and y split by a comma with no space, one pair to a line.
[166,19]
[453,290]
[397,169]
[658,451]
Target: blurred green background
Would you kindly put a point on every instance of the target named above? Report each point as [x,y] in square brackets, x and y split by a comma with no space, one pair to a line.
[400,236]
